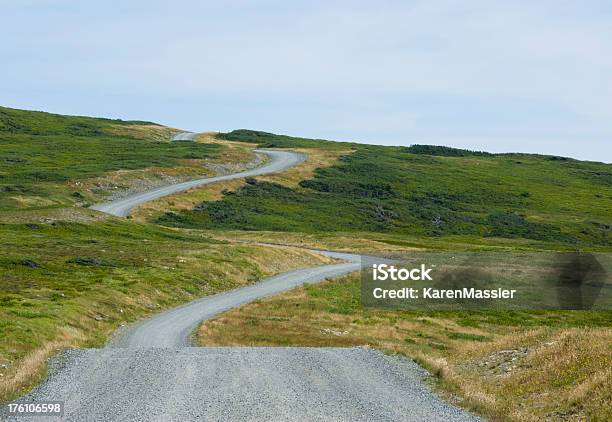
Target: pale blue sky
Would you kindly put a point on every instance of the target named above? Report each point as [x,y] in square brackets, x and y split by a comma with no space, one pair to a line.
[528,76]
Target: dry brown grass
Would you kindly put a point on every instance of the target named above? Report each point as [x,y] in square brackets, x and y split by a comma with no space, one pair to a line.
[348,242]
[505,373]
[141,179]
[23,201]
[360,242]
[231,151]
[184,200]
[150,132]
[31,369]
[549,374]
[316,158]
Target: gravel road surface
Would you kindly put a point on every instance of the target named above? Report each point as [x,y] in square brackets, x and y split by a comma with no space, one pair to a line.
[241,384]
[279,161]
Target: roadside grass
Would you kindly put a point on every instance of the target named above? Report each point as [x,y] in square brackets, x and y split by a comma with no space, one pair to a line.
[66,284]
[506,365]
[51,215]
[403,191]
[317,159]
[389,243]
[230,153]
[228,157]
[236,154]
[187,200]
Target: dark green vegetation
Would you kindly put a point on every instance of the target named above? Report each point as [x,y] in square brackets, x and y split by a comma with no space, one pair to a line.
[41,152]
[270,140]
[445,151]
[424,191]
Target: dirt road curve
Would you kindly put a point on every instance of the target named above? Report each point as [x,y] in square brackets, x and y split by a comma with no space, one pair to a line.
[173,328]
[279,161]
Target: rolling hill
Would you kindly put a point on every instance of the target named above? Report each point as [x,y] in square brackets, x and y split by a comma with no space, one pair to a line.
[422,191]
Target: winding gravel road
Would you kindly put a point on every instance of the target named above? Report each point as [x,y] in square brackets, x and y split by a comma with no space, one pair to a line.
[279,161]
[174,327]
[148,372]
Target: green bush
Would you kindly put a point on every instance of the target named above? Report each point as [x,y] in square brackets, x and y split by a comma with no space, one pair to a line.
[444,151]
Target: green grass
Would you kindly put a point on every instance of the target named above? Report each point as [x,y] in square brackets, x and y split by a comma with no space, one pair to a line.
[70,277]
[407,191]
[47,270]
[40,153]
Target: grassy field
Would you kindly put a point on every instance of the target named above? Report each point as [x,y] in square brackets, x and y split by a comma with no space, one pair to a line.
[424,192]
[518,366]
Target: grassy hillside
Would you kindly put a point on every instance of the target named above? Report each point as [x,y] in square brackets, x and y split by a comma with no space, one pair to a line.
[423,191]
[69,277]
[43,155]
[67,284]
